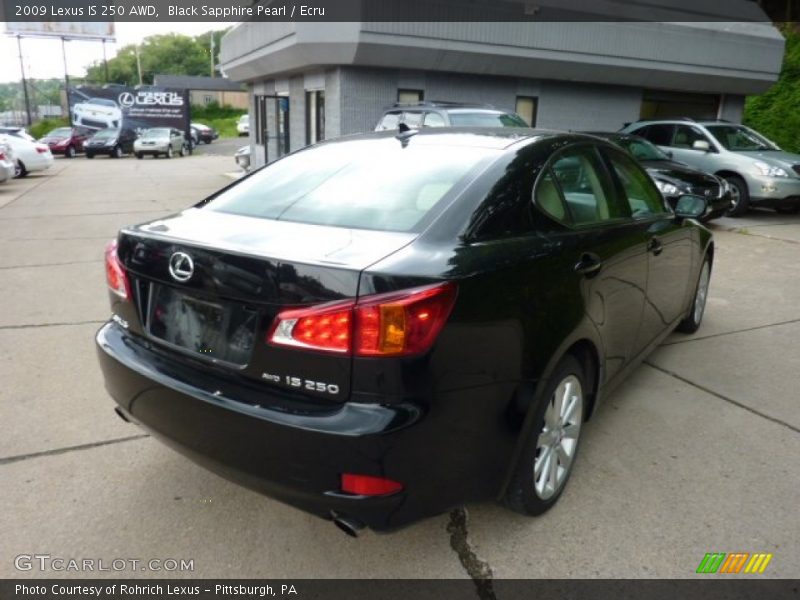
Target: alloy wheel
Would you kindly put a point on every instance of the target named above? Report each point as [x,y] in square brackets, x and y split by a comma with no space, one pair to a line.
[702,293]
[558,440]
[735,197]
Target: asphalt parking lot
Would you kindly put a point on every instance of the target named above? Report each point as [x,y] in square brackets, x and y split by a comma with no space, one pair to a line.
[697,452]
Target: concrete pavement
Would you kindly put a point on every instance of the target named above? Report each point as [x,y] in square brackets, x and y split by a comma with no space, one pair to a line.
[697,452]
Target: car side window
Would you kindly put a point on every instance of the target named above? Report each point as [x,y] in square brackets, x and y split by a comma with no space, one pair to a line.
[660,135]
[433,119]
[686,136]
[584,185]
[643,197]
[389,121]
[413,119]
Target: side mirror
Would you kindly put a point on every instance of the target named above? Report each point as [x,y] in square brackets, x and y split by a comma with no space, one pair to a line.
[701,145]
[690,207]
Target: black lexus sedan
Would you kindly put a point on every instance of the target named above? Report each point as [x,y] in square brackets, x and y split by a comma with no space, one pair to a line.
[381,327]
[676,179]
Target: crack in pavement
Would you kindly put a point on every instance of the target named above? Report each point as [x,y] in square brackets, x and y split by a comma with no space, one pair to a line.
[36,325]
[12,459]
[724,333]
[61,264]
[723,397]
[479,571]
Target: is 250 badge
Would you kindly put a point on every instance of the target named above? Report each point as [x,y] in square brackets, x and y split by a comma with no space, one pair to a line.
[300,383]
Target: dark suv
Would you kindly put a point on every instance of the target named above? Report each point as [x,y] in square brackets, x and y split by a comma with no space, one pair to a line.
[447,114]
[113,142]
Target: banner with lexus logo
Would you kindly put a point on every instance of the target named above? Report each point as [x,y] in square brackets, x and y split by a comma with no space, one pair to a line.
[139,108]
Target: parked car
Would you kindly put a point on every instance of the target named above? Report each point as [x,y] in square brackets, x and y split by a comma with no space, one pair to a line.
[242,158]
[68,141]
[19,132]
[113,142]
[243,125]
[203,133]
[97,113]
[759,172]
[160,140]
[380,327]
[7,170]
[675,179]
[28,156]
[446,114]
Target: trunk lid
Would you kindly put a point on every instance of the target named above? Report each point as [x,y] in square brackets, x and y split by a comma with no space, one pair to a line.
[207,286]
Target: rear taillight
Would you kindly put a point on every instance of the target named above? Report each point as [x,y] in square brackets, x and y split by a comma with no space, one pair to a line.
[394,324]
[115,273]
[366,485]
[42,149]
[2,155]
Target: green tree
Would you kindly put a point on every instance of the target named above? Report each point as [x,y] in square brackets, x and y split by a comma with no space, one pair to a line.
[170,54]
[776,113]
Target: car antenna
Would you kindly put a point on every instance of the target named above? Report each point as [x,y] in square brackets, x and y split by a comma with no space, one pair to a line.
[404,133]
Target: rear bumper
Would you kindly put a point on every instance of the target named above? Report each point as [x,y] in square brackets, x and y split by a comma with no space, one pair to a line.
[298,457]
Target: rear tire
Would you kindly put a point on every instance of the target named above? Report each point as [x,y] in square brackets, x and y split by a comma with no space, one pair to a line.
[182,151]
[20,170]
[139,155]
[117,153]
[89,155]
[740,196]
[70,152]
[692,323]
[549,454]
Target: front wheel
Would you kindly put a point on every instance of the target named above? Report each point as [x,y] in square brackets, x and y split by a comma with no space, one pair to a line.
[70,152]
[182,151]
[139,155]
[168,153]
[740,196]
[549,455]
[692,323]
[89,155]
[117,153]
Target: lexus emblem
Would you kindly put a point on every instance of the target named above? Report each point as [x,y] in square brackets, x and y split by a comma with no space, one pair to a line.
[181,266]
[126,99]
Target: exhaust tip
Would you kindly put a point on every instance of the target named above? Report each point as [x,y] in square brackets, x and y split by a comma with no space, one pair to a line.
[350,526]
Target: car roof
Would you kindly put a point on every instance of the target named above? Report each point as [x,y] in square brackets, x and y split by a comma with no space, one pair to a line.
[498,138]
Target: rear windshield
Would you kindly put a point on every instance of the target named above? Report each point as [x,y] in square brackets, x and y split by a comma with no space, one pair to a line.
[362,185]
[106,134]
[151,134]
[484,119]
[61,132]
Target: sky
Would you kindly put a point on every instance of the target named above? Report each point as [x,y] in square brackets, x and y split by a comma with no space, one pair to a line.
[43,57]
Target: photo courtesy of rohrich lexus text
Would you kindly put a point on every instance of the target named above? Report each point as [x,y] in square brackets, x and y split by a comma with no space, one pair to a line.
[377,299]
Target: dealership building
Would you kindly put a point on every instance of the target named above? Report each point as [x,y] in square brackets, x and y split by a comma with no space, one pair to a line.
[311,81]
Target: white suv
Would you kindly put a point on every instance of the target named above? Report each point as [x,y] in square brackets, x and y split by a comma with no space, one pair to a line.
[760,173]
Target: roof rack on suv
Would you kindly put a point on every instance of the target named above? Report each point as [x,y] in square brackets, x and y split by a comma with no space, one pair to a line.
[439,104]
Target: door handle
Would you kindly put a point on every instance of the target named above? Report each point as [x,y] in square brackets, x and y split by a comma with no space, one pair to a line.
[655,246]
[589,264]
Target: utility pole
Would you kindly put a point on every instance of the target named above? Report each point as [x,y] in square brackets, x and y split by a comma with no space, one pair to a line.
[105,60]
[212,54]
[24,81]
[138,63]
[66,78]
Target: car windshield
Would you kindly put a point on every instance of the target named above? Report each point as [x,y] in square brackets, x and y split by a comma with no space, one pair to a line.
[364,185]
[60,132]
[152,134]
[740,139]
[641,148]
[106,134]
[244,118]
[101,102]
[485,119]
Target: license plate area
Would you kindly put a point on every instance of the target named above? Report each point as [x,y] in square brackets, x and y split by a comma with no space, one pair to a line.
[223,331]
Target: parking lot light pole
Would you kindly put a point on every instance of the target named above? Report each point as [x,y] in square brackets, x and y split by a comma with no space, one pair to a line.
[24,81]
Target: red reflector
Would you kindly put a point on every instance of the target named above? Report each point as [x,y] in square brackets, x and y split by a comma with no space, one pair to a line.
[115,273]
[366,485]
[394,324]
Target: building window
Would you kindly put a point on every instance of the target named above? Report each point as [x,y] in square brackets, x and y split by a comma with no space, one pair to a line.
[526,108]
[410,96]
[208,99]
[315,116]
[657,104]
